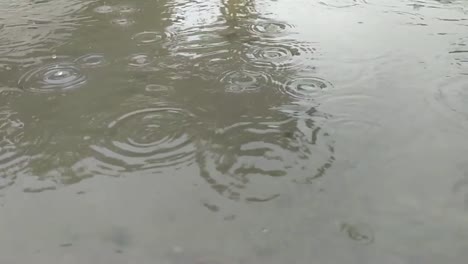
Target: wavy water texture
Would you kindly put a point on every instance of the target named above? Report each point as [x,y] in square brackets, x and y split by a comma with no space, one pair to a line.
[26,31]
[12,156]
[238,159]
[342,3]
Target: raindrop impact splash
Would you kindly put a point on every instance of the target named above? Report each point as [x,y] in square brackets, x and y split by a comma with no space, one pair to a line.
[53,78]
[140,60]
[243,81]
[278,56]
[304,88]
[147,37]
[269,28]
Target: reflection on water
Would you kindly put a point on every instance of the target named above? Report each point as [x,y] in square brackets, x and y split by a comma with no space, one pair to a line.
[253,126]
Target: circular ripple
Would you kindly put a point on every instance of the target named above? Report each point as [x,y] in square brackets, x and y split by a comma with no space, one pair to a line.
[91,60]
[124,22]
[148,139]
[140,60]
[148,37]
[104,9]
[53,78]
[244,81]
[305,87]
[268,28]
[278,56]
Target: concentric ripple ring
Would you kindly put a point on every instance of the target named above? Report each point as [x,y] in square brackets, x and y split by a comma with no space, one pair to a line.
[53,78]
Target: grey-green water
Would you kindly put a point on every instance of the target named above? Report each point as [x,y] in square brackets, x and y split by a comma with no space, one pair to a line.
[236,131]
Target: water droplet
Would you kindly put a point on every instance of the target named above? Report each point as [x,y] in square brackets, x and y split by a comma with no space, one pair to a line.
[52,78]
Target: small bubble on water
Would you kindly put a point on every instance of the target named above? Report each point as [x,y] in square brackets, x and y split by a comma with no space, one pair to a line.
[54,56]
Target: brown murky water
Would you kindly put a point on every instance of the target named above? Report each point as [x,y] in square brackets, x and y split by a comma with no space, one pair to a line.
[235,131]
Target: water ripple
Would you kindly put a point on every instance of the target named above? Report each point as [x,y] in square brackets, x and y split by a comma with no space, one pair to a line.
[240,158]
[122,21]
[269,28]
[147,139]
[53,78]
[26,30]
[287,55]
[303,88]
[91,60]
[140,60]
[242,81]
[148,37]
